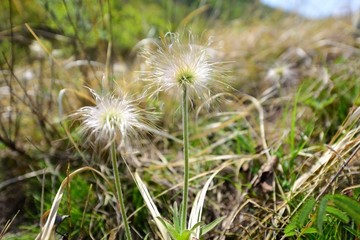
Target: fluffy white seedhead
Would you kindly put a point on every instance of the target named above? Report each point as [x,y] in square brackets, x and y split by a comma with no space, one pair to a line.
[178,62]
[282,75]
[112,119]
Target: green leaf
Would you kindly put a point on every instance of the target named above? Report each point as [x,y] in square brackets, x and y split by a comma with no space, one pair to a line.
[185,235]
[338,214]
[300,217]
[290,233]
[170,228]
[309,230]
[320,105]
[198,204]
[305,210]
[352,231]
[147,236]
[155,214]
[176,218]
[356,192]
[321,213]
[208,227]
[196,225]
[348,205]
[290,229]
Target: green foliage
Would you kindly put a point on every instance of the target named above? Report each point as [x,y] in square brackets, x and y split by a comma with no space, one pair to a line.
[230,9]
[299,219]
[208,227]
[90,24]
[321,213]
[73,204]
[338,214]
[244,144]
[22,12]
[134,21]
[348,205]
[334,213]
[331,104]
[22,236]
[176,231]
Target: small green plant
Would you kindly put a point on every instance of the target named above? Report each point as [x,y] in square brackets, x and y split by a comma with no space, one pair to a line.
[330,212]
[174,230]
[177,233]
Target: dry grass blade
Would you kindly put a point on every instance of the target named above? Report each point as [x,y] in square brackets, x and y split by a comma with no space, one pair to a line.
[346,162]
[47,232]
[192,15]
[162,133]
[344,142]
[39,41]
[344,145]
[7,225]
[221,125]
[197,208]
[151,206]
[23,177]
[76,93]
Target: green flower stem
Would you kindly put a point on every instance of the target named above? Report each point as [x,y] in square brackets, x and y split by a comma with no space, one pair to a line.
[185,116]
[119,191]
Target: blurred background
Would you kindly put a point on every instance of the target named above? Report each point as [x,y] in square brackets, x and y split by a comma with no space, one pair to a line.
[50,50]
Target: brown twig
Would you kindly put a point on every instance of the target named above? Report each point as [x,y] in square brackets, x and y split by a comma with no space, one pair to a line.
[346,162]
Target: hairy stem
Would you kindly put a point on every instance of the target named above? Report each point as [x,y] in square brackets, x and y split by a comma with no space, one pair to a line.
[185,116]
[119,191]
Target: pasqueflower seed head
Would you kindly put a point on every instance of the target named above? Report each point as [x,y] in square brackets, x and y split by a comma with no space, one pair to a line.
[112,119]
[282,75]
[177,63]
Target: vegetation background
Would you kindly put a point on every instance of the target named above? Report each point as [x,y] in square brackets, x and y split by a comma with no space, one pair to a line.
[286,134]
